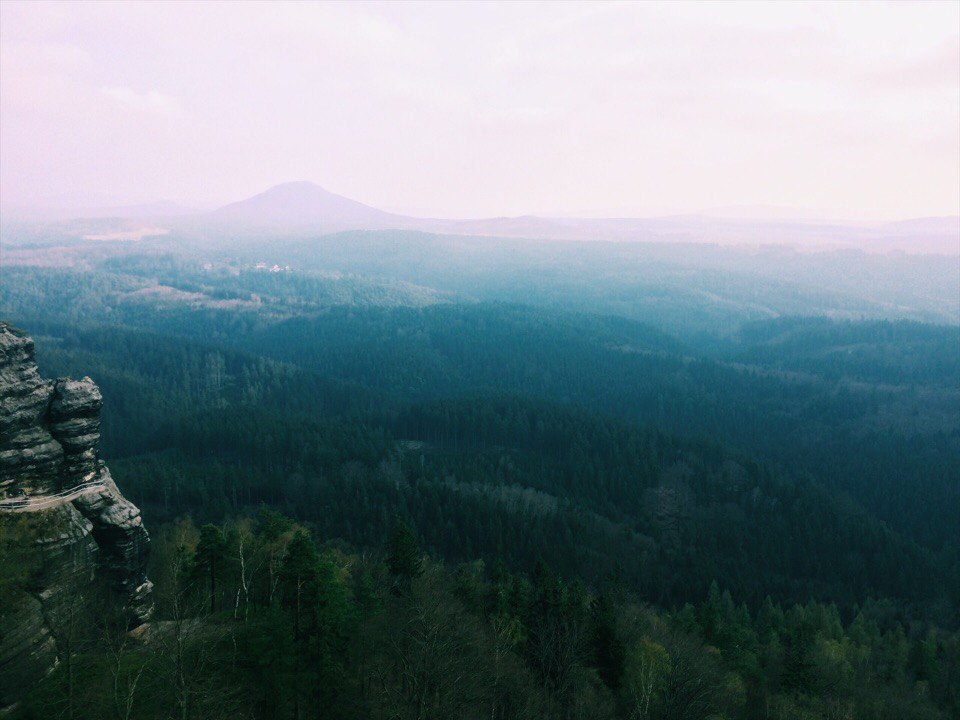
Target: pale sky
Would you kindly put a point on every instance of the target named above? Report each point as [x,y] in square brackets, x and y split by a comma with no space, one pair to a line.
[470,110]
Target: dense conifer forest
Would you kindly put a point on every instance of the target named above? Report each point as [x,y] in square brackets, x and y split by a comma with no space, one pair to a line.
[374,499]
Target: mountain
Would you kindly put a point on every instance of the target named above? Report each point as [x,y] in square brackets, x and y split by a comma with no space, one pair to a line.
[303,206]
[299,208]
[65,528]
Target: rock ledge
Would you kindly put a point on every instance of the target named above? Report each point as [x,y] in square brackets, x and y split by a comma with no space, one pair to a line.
[89,535]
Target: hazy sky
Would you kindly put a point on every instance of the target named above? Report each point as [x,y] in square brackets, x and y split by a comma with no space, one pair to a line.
[465,110]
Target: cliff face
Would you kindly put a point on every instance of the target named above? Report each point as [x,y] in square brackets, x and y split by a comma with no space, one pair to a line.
[58,500]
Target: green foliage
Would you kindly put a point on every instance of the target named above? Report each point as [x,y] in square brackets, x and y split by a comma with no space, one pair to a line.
[208,558]
[785,497]
[318,632]
[646,671]
[191,428]
[404,558]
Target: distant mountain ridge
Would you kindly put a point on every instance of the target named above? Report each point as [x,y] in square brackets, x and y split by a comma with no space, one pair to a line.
[305,209]
[299,207]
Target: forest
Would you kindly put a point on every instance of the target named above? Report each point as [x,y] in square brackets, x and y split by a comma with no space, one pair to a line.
[261,621]
[371,497]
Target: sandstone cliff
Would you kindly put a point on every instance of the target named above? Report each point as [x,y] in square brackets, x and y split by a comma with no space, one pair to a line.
[83,536]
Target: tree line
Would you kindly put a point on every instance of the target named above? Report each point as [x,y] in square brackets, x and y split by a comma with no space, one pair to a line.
[256,619]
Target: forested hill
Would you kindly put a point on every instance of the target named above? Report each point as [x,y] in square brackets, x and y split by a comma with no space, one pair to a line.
[885,353]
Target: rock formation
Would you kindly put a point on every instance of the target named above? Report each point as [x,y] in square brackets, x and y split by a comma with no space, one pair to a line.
[59,507]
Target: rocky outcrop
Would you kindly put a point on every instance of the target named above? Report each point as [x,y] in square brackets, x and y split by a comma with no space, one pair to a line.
[59,503]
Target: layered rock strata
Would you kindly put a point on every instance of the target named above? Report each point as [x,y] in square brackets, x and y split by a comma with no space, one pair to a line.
[77,533]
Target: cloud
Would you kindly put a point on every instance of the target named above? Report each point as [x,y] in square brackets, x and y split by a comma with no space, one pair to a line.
[152,101]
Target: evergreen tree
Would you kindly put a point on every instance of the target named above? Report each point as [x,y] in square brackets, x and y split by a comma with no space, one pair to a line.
[209,557]
[404,558]
[607,645]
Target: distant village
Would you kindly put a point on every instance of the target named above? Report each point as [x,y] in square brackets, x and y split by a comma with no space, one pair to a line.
[264,267]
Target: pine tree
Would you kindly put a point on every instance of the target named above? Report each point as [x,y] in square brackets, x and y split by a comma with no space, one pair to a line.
[403,557]
[209,558]
[608,649]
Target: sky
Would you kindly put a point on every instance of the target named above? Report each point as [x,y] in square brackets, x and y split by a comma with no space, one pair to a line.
[476,110]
